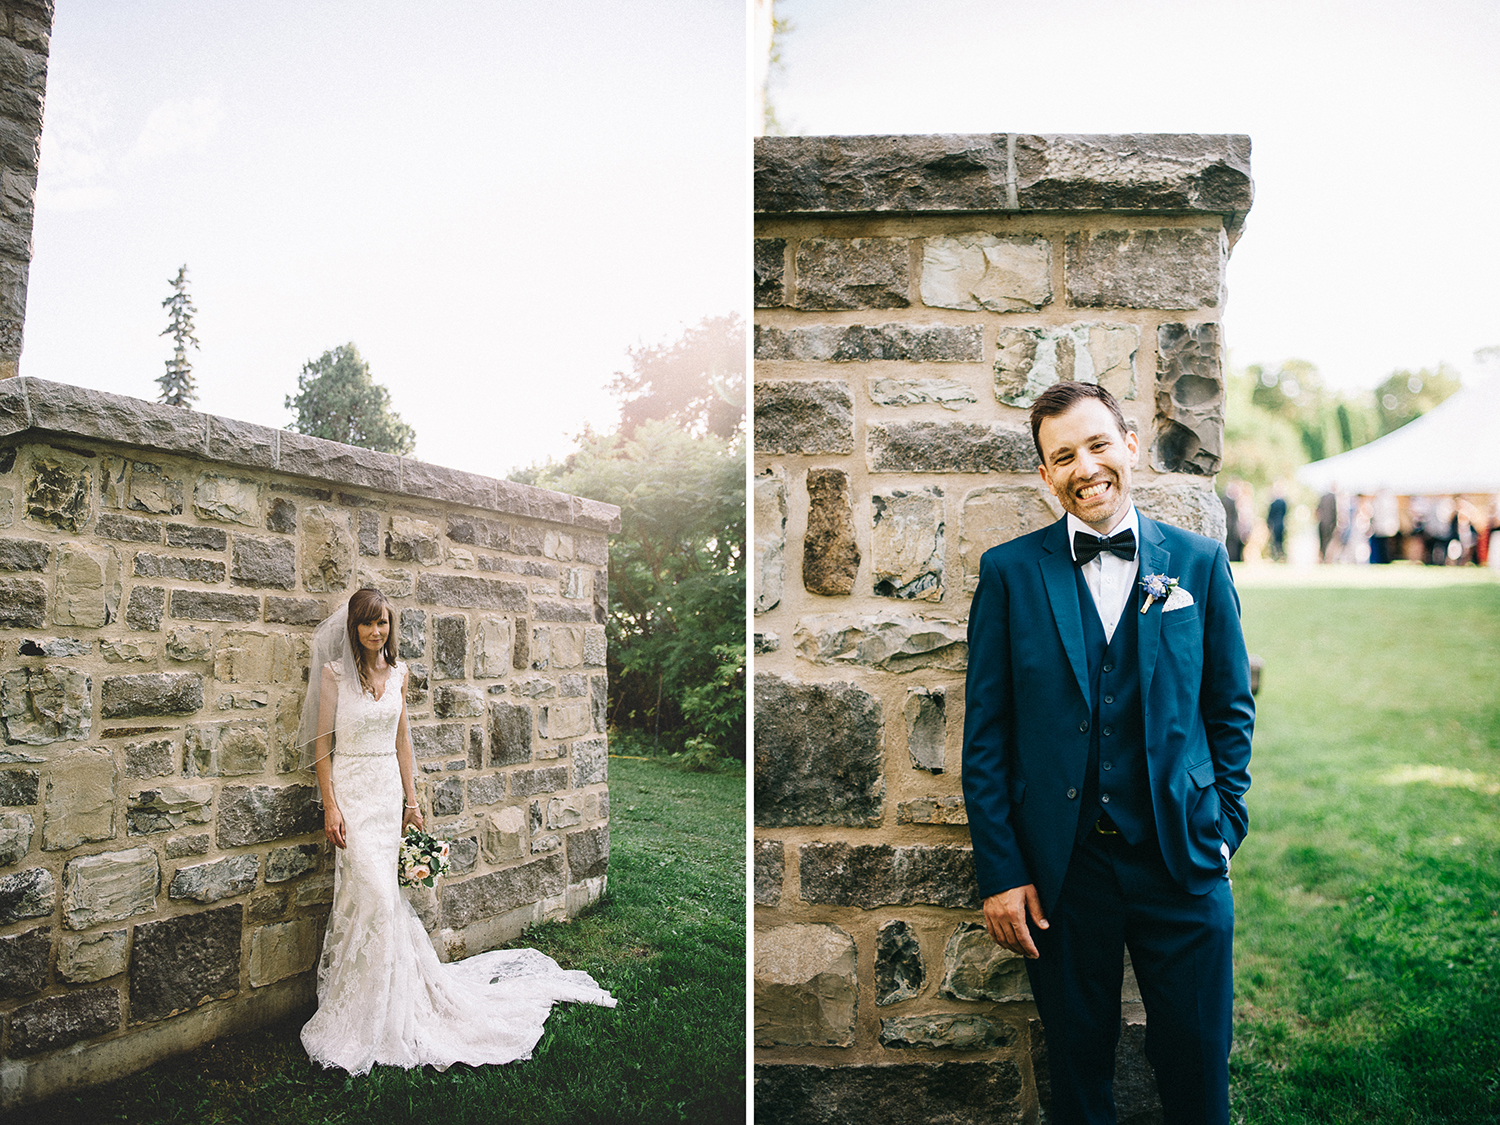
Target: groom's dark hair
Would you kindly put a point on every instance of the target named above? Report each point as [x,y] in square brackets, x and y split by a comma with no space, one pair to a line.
[1062,397]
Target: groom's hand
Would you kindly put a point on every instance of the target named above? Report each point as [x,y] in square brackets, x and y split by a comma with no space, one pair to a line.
[1005,918]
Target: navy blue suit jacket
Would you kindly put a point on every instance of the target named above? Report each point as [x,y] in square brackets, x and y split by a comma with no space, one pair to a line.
[1027,706]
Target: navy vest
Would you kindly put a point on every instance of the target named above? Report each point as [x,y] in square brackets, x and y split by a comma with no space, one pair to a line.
[1116,781]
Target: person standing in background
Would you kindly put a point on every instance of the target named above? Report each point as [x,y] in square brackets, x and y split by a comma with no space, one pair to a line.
[1276,523]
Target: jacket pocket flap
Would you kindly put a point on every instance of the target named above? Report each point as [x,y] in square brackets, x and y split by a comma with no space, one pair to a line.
[1202,773]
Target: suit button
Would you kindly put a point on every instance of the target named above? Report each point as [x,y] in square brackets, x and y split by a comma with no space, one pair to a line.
[1104,798]
[1072,793]
[1084,726]
[1109,667]
[1109,699]
[1109,730]
[1107,765]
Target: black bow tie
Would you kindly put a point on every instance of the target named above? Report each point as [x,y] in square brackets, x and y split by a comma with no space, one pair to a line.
[1086,547]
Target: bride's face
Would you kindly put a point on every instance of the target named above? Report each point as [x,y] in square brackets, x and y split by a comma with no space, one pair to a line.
[372,634]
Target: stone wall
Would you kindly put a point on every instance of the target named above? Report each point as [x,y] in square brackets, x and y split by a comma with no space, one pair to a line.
[25,32]
[914,295]
[163,873]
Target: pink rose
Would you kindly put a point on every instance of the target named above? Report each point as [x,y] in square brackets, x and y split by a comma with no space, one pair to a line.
[420,872]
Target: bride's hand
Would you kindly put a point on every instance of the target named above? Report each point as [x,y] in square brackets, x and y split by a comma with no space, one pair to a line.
[413,816]
[333,826]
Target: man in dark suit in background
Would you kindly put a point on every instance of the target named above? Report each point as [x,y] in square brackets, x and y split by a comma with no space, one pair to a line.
[1106,752]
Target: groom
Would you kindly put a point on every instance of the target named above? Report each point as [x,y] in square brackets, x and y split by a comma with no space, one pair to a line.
[1106,746]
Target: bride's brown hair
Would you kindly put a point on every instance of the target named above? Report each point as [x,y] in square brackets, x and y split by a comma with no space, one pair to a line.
[365,608]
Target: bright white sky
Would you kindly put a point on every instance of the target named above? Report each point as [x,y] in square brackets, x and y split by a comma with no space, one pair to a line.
[1372,244]
[492,199]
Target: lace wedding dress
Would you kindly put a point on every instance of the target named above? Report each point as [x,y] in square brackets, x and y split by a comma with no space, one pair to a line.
[383,995]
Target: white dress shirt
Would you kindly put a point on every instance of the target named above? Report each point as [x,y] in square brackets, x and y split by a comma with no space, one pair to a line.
[1110,578]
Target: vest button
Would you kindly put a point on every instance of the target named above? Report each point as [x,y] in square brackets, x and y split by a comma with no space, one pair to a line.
[1109,730]
[1109,667]
[1072,793]
[1084,726]
[1107,765]
[1109,699]
[1104,798]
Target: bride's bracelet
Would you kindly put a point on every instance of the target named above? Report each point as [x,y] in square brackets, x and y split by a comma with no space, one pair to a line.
[413,806]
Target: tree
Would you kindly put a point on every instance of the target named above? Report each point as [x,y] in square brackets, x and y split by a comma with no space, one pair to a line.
[696,381]
[1405,396]
[337,399]
[177,387]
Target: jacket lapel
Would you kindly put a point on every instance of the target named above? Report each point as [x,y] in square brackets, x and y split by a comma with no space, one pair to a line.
[1062,592]
[1155,559]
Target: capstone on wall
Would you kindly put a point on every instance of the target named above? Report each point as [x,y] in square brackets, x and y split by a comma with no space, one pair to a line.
[25,37]
[163,873]
[914,295]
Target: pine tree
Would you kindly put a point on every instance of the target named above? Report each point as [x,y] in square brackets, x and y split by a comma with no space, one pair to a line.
[177,387]
[337,399]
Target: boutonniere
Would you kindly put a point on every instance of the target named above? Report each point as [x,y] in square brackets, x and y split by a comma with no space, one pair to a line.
[1157,587]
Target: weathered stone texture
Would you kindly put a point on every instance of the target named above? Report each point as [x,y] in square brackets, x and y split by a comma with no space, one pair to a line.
[182,962]
[23,603]
[110,887]
[770,273]
[947,1031]
[997,514]
[870,875]
[1189,400]
[806,987]
[57,1021]
[950,394]
[46,704]
[803,416]
[19,788]
[24,554]
[87,590]
[891,642]
[947,1093]
[510,733]
[464,592]
[196,538]
[227,499]
[770,872]
[413,540]
[503,835]
[907,544]
[255,814]
[263,563]
[770,539]
[997,273]
[900,971]
[976,968]
[57,489]
[1184,505]
[852,273]
[184,568]
[210,605]
[932,810]
[590,762]
[926,728]
[24,958]
[210,882]
[864,343]
[949,447]
[450,646]
[830,549]
[1168,268]
[328,544]
[588,853]
[485,896]
[154,693]
[818,754]
[85,958]
[16,833]
[169,808]
[80,803]
[283,949]
[494,638]
[1029,360]
[27,894]
[289,862]
[145,608]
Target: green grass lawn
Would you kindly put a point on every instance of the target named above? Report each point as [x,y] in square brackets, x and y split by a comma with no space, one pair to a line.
[1367,958]
[668,941]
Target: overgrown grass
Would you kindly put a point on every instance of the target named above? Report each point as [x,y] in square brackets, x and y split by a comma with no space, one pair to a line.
[668,941]
[1368,892]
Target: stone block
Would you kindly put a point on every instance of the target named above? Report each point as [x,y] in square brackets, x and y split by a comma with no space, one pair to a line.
[565,719]
[803,416]
[128,652]
[907,543]
[264,908]
[528,783]
[210,882]
[908,1094]
[463,852]
[590,762]
[57,1021]
[26,894]
[24,554]
[565,812]
[510,733]
[24,959]
[548,843]
[289,862]
[282,516]
[891,642]
[46,704]
[392,583]
[283,949]
[169,808]
[23,603]
[257,813]
[494,638]
[950,394]
[144,609]
[79,806]
[19,788]
[770,872]
[900,972]
[182,567]
[441,741]
[196,538]
[561,611]
[475,532]
[770,539]
[818,754]
[588,853]
[1168,268]
[450,646]
[557,545]
[417,683]
[770,273]
[86,958]
[932,810]
[314,891]
[926,728]
[413,540]
[211,605]
[180,847]
[187,644]
[110,887]
[865,343]
[946,1031]
[503,835]
[1029,360]
[830,549]
[448,797]
[227,499]
[413,635]
[806,987]
[57,488]
[476,748]
[16,833]
[869,875]
[56,646]
[1189,423]
[245,657]
[328,545]
[486,896]
[457,701]
[263,563]
[994,273]
[852,273]
[487,790]
[369,534]
[180,963]
[151,693]
[294,611]
[949,447]
[128,529]
[595,646]
[1184,505]
[997,514]
[975,968]
[461,591]
[87,590]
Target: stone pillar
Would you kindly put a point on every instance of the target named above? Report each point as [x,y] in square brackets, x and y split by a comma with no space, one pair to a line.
[913,297]
[25,30]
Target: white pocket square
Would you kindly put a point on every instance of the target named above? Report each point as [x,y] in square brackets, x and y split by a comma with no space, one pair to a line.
[1177,599]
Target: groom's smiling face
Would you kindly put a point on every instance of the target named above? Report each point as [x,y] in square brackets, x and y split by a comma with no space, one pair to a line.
[1086,462]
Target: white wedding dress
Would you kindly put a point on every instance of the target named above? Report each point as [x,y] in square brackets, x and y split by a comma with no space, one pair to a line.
[383,995]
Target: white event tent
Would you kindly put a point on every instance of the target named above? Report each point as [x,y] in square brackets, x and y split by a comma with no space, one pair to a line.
[1454,448]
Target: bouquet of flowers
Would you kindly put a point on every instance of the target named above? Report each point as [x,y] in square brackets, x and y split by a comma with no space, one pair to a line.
[423,858]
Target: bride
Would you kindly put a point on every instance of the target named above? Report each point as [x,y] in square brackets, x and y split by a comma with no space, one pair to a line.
[383,996]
